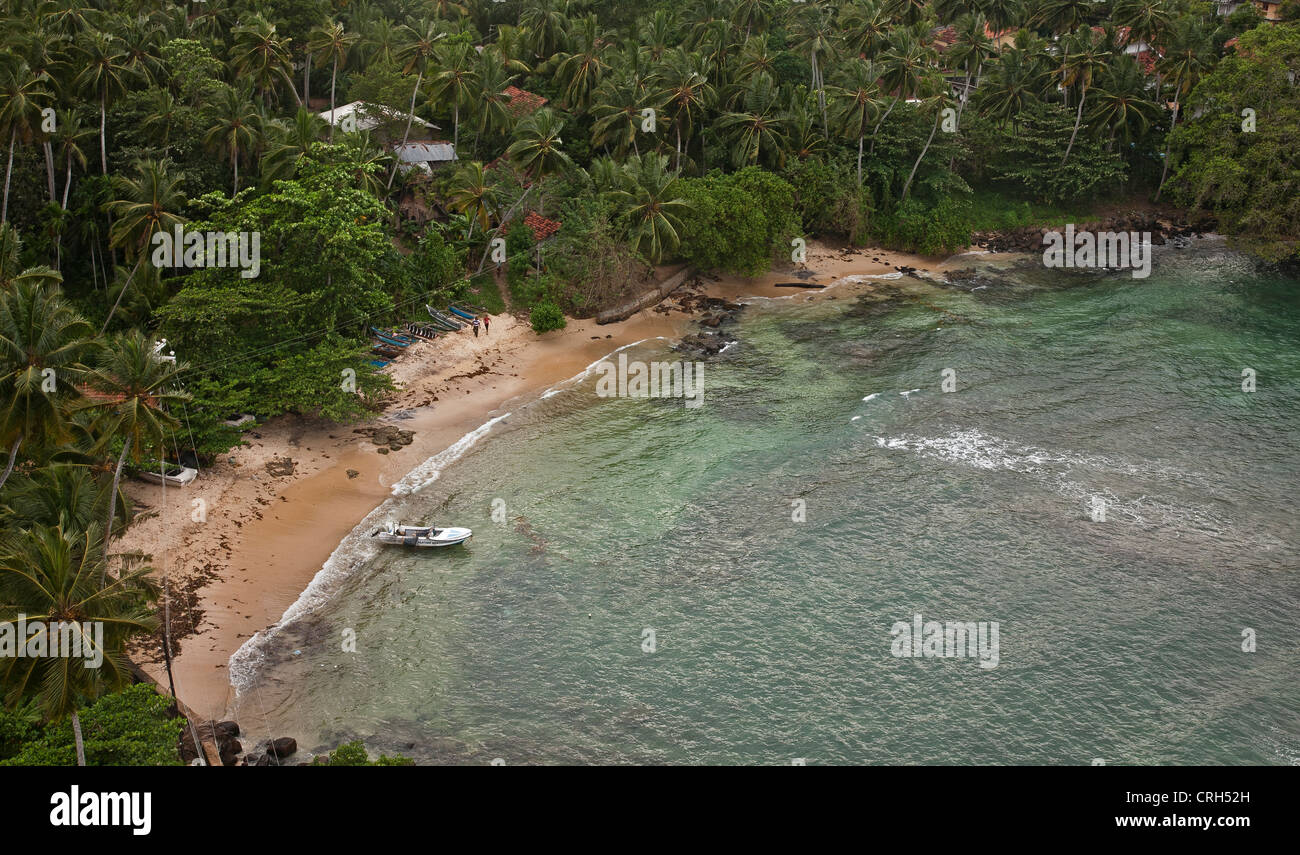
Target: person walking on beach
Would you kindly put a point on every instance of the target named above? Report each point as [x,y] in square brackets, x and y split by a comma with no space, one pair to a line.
[476,328]
[486,326]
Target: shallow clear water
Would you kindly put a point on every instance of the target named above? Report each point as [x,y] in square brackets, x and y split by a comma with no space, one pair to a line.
[1119,639]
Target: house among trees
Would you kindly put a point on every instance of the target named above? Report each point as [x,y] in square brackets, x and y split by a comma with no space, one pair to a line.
[424,155]
[1270,10]
[522,103]
[360,116]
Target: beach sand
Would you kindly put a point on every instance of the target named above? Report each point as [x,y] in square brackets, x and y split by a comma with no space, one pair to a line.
[236,562]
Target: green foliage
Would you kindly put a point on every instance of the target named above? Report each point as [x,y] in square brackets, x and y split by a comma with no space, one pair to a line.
[728,225]
[132,727]
[828,201]
[1246,179]
[354,754]
[926,229]
[994,211]
[546,316]
[1030,158]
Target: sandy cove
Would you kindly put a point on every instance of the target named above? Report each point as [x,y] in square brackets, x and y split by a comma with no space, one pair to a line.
[268,532]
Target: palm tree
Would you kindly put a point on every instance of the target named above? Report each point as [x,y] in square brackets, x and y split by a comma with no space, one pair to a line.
[144,206]
[659,34]
[753,15]
[261,55]
[866,28]
[142,42]
[1012,84]
[132,390]
[39,330]
[22,92]
[617,111]
[471,195]
[291,142]
[1187,57]
[237,129]
[1121,103]
[537,146]
[758,129]
[1081,58]
[104,74]
[456,80]
[493,103]
[1145,19]
[1062,16]
[416,50]
[56,576]
[579,71]
[649,200]
[332,44]
[904,64]
[684,89]
[938,96]
[68,134]
[815,35]
[969,53]
[546,23]
[859,102]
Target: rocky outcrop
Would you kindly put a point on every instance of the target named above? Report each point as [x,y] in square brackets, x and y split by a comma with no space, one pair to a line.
[1163,228]
[387,437]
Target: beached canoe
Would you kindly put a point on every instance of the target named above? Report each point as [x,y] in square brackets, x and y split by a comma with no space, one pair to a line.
[426,333]
[439,318]
[386,338]
[425,536]
[461,313]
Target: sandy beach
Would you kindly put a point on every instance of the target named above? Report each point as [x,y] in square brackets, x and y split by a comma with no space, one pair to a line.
[240,544]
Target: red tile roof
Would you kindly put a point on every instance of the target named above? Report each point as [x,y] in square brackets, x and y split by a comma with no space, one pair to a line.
[542,227]
[521,102]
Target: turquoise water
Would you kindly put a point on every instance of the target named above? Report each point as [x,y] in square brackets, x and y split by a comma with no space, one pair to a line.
[1120,639]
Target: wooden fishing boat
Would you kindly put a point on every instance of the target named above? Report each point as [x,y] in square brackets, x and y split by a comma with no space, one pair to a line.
[461,313]
[442,320]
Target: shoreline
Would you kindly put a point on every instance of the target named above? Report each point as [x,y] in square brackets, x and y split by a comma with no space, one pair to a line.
[276,509]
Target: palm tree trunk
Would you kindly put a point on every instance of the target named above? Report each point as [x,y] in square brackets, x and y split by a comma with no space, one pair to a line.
[306,79]
[118,301]
[13,457]
[103,122]
[1164,173]
[908,186]
[333,79]
[234,163]
[410,116]
[112,502]
[4,211]
[876,129]
[679,145]
[76,736]
[1078,117]
[67,184]
[49,167]
[860,161]
[455,120]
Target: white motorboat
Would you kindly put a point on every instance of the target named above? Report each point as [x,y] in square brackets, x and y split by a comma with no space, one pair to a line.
[175,476]
[422,535]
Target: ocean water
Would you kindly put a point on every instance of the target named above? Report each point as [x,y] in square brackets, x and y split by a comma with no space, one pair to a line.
[767,541]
